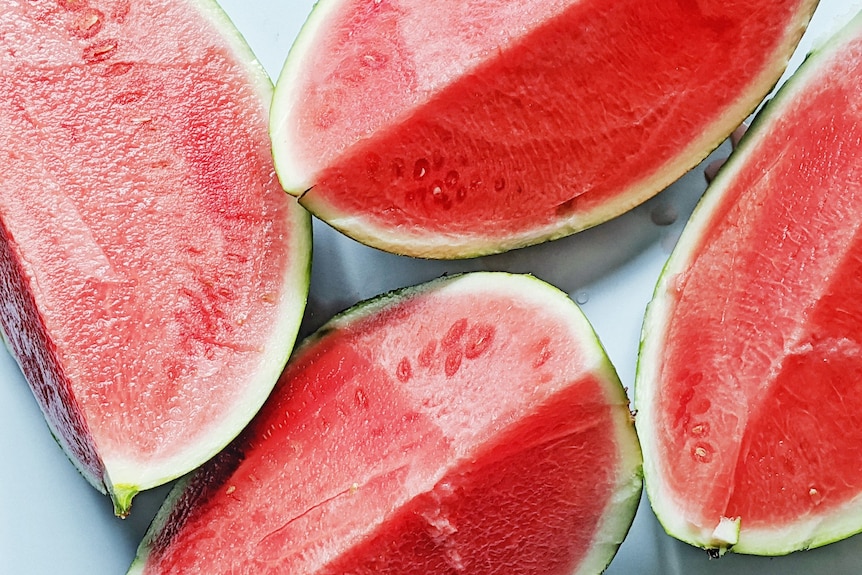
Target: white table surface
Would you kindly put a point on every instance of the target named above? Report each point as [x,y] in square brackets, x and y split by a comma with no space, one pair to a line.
[52,521]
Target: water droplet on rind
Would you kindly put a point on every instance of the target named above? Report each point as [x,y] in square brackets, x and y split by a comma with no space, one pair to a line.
[664,215]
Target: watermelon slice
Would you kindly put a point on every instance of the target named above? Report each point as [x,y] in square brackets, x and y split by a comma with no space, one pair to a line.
[472,424]
[152,272]
[748,387]
[448,129]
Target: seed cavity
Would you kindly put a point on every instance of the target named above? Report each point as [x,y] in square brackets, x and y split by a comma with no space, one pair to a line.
[453,361]
[421,169]
[454,334]
[100,51]
[700,429]
[426,355]
[500,184]
[397,168]
[479,340]
[702,452]
[360,398]
[543,349]
[404,371]
[88,23]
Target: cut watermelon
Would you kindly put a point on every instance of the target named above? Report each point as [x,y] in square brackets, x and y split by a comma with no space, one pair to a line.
[152,272]
[748,387]
[449,129]
[472,424]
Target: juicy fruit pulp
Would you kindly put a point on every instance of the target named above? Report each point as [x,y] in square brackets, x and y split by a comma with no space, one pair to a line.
[451,129]
[472,424]
[153,271]
[748,385]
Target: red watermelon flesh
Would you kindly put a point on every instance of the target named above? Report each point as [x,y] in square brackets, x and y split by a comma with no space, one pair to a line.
[450,129]
[154,273]
[748,387]
[472,424]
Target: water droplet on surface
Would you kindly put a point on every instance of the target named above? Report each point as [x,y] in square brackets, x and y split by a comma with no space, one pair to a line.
[404,371]
[582,297]
[663,215]
[421,169]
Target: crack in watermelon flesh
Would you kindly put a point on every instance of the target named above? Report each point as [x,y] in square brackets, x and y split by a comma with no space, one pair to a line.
[759,402]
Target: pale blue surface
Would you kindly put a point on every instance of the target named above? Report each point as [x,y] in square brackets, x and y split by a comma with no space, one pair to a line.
[52,521]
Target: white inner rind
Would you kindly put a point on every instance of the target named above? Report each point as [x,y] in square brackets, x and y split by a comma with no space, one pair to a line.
[806,532]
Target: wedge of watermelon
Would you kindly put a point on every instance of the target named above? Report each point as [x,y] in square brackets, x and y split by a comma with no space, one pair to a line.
[448,129]
[152,272]
[748,386]
[470,424]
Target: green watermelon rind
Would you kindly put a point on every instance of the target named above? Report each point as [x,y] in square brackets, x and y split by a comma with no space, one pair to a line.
[440,245]
[622,507]
[810,534]
[123,481]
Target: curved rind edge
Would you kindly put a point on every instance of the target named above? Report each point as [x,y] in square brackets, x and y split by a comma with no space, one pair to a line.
[621,509]
[461,246]
[772,542]
[123,484]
